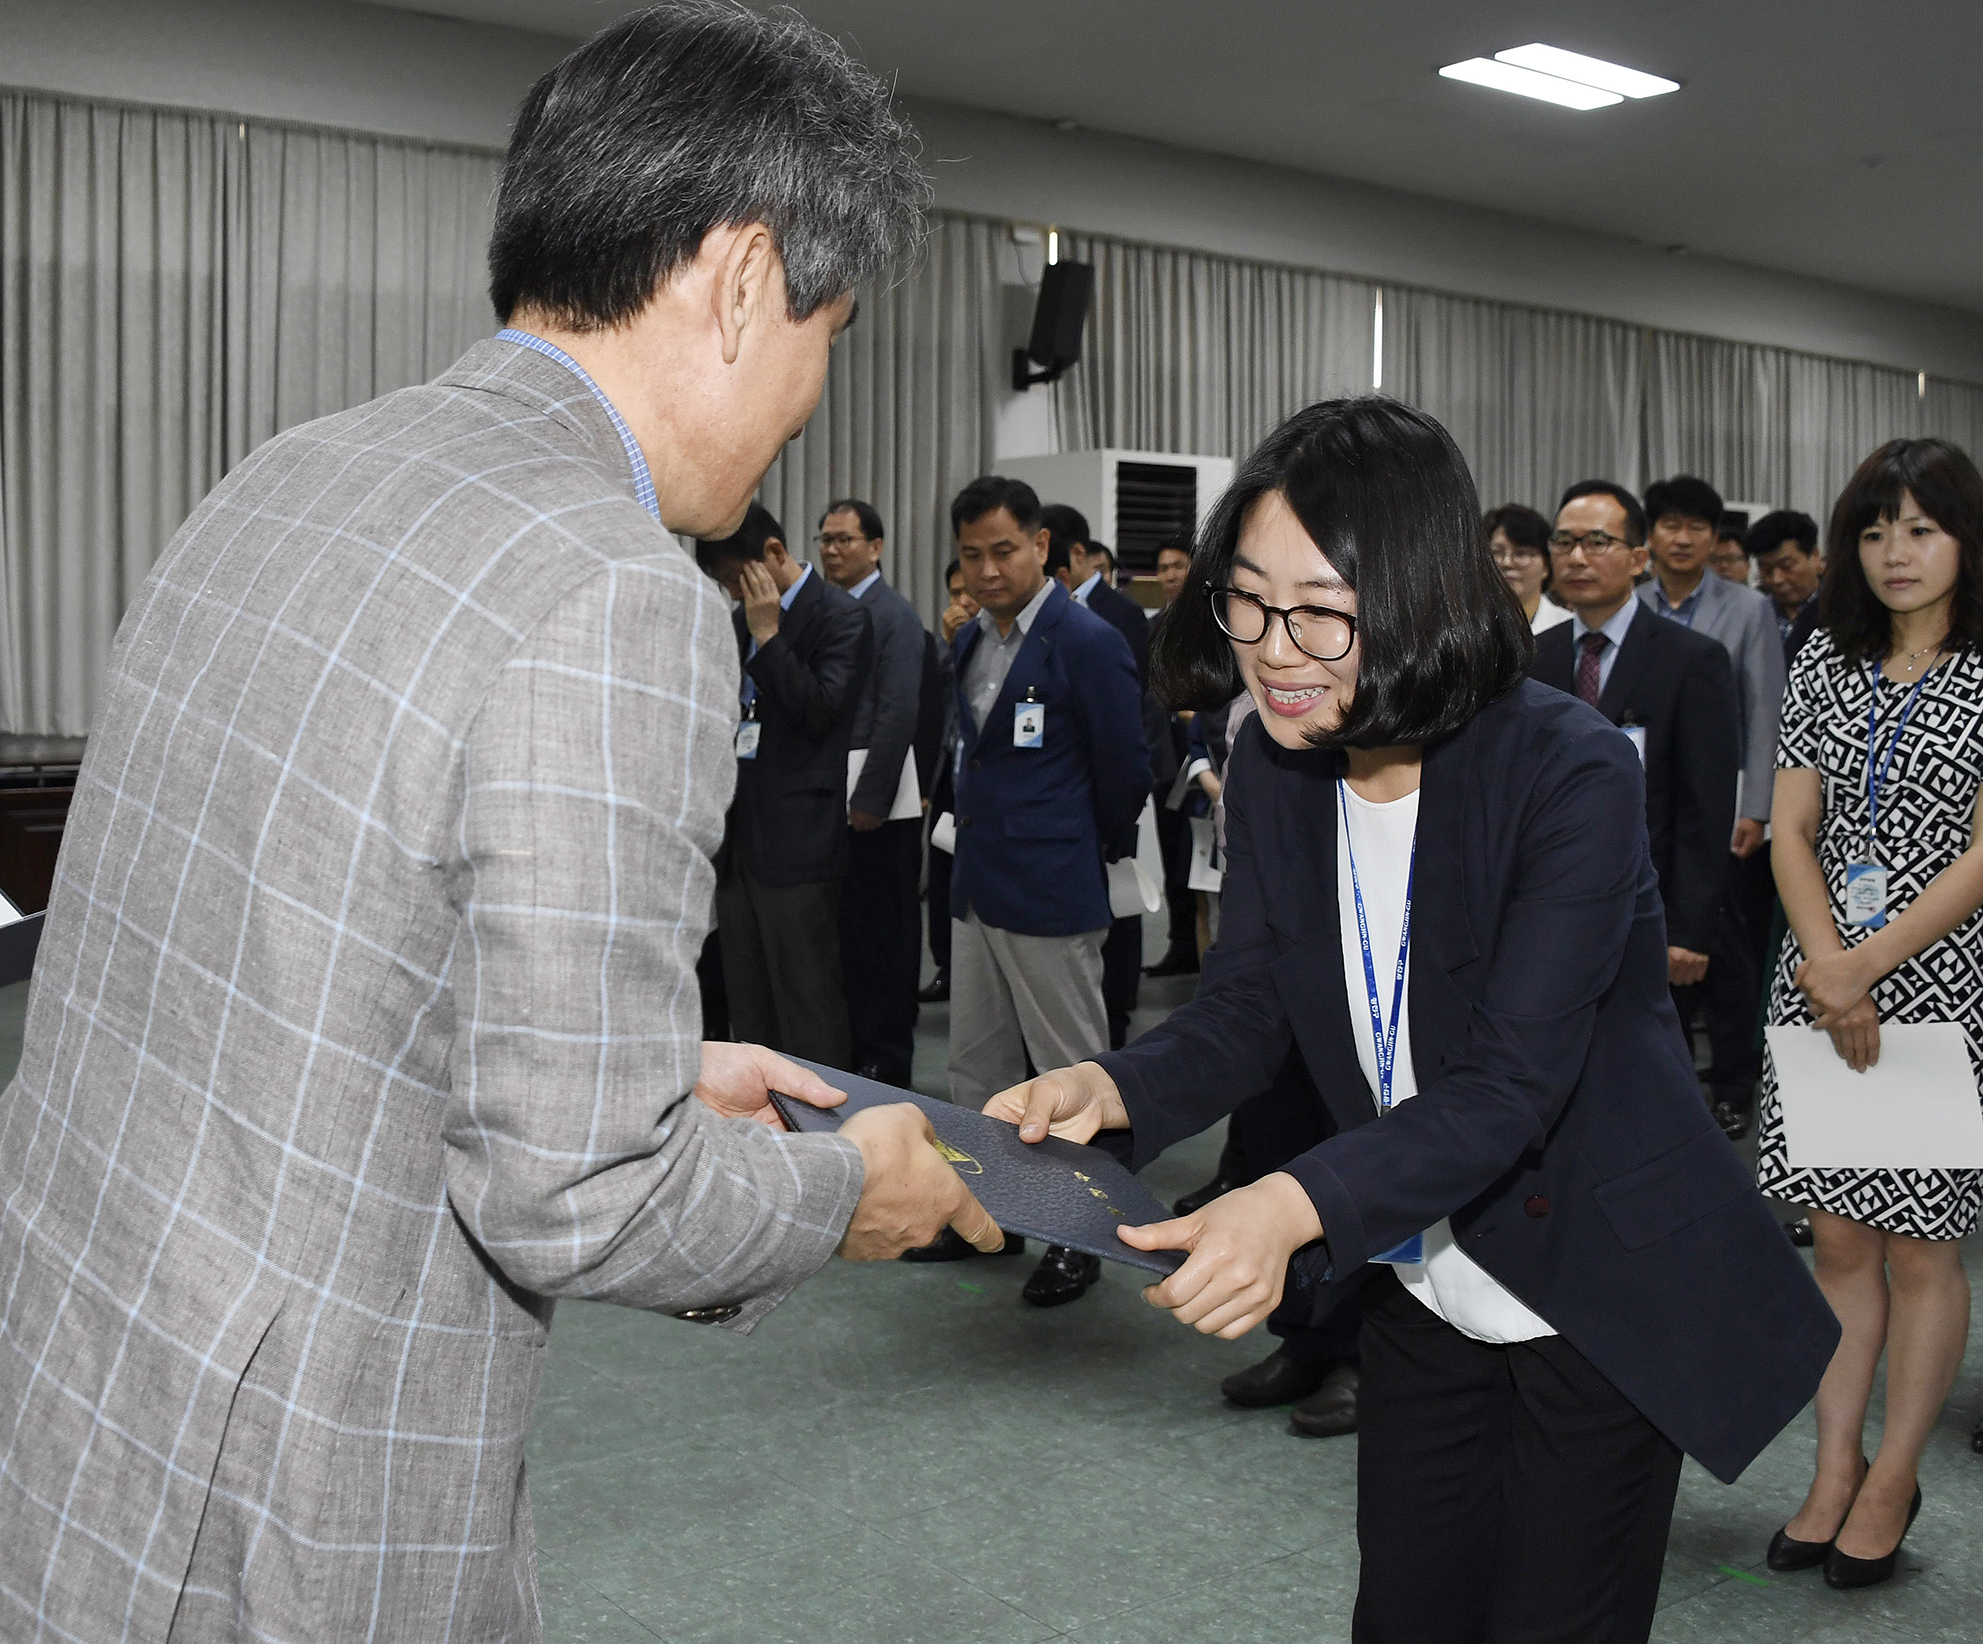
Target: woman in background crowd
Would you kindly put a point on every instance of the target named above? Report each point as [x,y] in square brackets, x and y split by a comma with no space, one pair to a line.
[1518,538]
[1879,768]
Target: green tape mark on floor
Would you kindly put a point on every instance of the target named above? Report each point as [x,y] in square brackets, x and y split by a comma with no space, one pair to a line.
[975,1289]
[1743,1575]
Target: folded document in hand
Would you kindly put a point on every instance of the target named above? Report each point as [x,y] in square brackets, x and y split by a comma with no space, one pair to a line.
[1058,1191]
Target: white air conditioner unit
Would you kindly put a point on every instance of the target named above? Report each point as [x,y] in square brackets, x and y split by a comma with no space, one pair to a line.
[1133,500]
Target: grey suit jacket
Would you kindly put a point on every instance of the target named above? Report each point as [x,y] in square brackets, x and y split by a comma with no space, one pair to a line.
[886,723]
[1744,622]
[362,1027]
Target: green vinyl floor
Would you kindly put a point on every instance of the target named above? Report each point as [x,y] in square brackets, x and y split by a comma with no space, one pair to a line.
[910,1455]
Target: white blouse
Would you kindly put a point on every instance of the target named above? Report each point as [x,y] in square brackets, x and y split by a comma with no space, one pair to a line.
[1448,1281]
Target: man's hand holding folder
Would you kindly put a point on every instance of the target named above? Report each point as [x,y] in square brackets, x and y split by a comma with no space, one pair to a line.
[1238,1245]
[909,1193]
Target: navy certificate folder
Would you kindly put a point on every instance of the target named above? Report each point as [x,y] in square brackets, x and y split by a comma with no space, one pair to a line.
[1053,1190]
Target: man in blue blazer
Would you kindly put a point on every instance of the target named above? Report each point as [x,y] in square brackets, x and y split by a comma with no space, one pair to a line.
[1051,773]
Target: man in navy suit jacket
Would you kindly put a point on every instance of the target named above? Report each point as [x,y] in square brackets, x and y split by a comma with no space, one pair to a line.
[806,650]
[1671,689]
[1051,774]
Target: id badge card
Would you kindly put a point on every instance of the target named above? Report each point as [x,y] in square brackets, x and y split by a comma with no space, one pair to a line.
[1409,1254]
[1638,735]
[748,731]
[1029,724]
[1866,894]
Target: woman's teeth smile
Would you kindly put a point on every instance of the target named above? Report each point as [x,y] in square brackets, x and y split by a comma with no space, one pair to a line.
[1293,701]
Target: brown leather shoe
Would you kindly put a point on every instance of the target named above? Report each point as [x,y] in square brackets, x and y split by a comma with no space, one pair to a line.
[1329,1411]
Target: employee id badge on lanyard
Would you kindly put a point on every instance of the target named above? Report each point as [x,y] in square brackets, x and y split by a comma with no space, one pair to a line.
[1029,722]
[1866,881]
[748,732]
[1412,1251]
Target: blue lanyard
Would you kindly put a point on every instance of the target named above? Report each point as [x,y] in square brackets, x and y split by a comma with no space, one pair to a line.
[1875,780]
[1386,1039]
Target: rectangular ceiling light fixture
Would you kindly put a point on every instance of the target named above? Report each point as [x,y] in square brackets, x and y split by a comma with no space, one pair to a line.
[1588,71]
[1484,71]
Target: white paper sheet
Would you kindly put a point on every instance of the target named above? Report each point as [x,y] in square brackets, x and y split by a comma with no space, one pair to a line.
[908,800]
[1914,1109]
[1136,883]
[943,834]
[9,914]
[1207,871]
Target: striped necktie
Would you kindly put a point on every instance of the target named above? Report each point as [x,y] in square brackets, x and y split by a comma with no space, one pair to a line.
[1587,666]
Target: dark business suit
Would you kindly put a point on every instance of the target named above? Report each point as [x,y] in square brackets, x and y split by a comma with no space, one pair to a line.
[1035,830]
[785,841]
[1122,948]
[1680,687]
[880,923]
[1557,1125]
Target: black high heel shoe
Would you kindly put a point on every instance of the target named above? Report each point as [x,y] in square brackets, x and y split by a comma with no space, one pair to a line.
[1843,1571]
[1787,1553]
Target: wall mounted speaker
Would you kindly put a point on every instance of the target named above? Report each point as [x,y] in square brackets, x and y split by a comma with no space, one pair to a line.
[1060,313]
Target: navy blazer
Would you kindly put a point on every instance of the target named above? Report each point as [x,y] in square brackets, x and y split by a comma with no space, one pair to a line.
[1036,825]
[1558,1121]
[1680,686]
[788,822]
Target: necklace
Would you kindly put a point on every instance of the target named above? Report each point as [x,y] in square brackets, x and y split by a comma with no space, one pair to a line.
[1906,663]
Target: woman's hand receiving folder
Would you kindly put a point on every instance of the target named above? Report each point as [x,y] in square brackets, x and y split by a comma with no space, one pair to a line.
[1238,1245]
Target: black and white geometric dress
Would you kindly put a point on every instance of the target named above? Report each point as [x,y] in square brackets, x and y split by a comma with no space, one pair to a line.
[1927,819]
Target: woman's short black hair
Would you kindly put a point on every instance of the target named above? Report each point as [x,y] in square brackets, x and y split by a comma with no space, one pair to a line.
[1522,526]
[685,117]
[1947,488]
[1385,494]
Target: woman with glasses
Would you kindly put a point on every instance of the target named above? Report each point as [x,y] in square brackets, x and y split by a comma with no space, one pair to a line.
[1879,769]
[1518,538]
[1438,891]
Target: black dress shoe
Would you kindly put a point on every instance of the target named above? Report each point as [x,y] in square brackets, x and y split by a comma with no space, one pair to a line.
[937,991]
[1734,1121]
[1329,1411]
[952,1246]
[1799,1232]
[1276,1379]
[1843,1571]
[1976,1437]
[1199,1197]
[1178,960]
[1062,1276]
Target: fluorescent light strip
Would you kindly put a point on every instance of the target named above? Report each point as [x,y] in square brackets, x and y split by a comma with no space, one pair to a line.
[1483,71]
[1587,71]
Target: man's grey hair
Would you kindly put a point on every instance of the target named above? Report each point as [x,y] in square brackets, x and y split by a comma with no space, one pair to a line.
[689,116]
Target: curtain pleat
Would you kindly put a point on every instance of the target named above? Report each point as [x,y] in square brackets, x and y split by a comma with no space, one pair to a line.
[1204,355]
[908,413]
[1535,400]
[175,288]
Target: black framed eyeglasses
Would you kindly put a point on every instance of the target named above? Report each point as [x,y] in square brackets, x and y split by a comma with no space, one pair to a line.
[1316,630]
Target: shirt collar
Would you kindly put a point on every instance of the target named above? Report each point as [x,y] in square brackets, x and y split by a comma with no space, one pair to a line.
[1613,630]
[643,481]
[1687,604]
[785,599]
[1081,594]
[860,589]
[1024,625]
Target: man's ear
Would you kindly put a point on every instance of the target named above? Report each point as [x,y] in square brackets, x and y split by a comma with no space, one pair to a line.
[747,285]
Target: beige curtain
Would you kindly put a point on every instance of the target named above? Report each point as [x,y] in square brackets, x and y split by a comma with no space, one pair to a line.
[1535,400]
[174,288]
[907,416]
[1204,355]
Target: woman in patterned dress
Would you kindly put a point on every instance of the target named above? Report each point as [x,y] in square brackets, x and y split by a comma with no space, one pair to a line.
[1903,641]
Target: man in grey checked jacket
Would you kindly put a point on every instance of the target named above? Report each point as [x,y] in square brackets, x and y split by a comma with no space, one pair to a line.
[366,1023]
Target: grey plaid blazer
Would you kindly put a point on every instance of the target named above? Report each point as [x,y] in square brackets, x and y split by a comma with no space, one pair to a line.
[361,1027]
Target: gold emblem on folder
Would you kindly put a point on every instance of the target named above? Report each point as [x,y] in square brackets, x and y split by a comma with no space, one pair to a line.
[964,1163]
